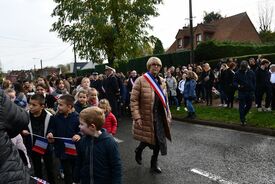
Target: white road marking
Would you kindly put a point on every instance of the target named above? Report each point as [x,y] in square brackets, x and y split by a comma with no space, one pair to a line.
[211,176]
[118,140]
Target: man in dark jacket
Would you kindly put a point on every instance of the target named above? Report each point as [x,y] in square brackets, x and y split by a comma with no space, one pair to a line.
[263,85]
[112,89]
[244,80]
[12,121]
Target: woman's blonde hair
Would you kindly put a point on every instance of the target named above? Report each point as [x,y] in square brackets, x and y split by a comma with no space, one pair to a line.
[192,75]
[104,104]
[93,115]
[153,60]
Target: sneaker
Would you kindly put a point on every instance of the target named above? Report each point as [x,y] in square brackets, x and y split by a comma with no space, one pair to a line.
[260,109]
[220,105]
[185,109]
[61,174]
[224,105]
[178,108]
[268,109]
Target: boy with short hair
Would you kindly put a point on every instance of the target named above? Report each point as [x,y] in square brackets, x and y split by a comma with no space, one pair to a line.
[39,121]
[98,159]
[65,124]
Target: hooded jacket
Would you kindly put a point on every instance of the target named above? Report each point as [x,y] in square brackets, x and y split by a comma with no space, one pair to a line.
[98,160]
[12,121]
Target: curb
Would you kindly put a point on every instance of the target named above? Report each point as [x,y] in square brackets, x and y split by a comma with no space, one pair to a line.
[247,128]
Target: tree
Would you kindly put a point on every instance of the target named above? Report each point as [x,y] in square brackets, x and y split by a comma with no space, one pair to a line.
[267,36]
[212,16]
[100,29]
[158,49]
[265,16]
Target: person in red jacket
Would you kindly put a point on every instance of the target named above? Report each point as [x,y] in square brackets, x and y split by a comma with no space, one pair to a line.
[110,120]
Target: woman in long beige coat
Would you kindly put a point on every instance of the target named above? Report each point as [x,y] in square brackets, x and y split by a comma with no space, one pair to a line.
[151,114]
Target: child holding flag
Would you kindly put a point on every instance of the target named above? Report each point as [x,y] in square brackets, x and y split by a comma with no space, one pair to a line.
[36,141]
[98,159]
[64,131]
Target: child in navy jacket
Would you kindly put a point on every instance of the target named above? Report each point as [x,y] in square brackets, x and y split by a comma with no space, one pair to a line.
[64,124]
[98,158]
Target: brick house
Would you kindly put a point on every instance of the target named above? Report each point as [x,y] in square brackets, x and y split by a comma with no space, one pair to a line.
[237,28]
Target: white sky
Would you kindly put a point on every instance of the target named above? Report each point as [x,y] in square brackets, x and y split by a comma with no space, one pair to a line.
[25,25]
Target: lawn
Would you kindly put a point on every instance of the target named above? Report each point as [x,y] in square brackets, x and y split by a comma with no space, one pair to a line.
[230,116]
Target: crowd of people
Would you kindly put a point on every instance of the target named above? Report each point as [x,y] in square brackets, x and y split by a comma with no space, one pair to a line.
[74,119]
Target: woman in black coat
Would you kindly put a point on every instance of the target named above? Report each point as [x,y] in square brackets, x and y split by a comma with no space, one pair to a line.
[12,120]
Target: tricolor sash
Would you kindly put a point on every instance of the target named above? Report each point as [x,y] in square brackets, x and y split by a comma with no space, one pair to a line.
[156,87]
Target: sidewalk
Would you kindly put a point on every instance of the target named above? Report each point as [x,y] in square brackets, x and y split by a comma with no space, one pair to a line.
[233,126]
[247,128]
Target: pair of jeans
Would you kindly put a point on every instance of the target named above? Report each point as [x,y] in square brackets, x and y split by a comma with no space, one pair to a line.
[189,105]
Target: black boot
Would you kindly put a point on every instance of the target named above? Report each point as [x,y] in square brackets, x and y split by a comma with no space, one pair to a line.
[154,165]
[193,115]
[188,116]
[138,156]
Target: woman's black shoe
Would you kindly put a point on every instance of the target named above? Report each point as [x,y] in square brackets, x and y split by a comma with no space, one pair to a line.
[138,156]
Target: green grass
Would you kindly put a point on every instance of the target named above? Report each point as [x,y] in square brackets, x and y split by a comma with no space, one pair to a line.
[230,116]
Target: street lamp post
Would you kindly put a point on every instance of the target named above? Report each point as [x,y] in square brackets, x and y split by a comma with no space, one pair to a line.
[41,62]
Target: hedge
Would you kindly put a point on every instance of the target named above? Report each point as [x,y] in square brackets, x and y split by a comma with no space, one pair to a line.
[213,50]
[270,57]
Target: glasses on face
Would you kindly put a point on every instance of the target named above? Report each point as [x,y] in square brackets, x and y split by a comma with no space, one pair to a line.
[156,65]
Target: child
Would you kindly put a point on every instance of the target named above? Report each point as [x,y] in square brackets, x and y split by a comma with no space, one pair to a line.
[11,94]
[93,97]
[60,88]
[85,85]
[110,120]
[64,124]
[49,99]
[39,121]
[82,101]
[98,159]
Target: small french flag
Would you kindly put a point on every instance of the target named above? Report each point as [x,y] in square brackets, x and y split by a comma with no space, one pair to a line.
[70,148]
[39,181]
[40,145]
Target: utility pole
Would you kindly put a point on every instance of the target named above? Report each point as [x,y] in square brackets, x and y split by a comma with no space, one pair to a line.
[41,64]
[191,33]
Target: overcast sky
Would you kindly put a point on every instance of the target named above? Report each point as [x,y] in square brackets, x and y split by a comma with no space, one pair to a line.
[25,25]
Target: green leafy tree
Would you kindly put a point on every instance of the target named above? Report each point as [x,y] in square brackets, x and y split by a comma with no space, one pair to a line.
[267,36]
[100,29]
[158,49]
[212,16]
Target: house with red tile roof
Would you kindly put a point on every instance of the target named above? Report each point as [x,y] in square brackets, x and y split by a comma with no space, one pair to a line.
[237,28]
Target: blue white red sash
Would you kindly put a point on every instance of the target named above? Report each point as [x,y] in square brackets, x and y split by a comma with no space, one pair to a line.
[156,87]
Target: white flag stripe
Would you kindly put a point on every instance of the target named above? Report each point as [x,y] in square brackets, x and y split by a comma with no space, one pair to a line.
[41,144]
[211,176]
[118,140]
[68,145]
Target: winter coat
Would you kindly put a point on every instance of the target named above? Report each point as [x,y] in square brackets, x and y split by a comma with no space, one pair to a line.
[245,81]
[171,86]
[105,166]
[61,126]
[12,121]
[142,102]
[110,123]
[190,89]
[79,107]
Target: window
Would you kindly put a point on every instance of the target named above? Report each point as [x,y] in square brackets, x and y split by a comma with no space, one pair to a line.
[198,38]
[180,43]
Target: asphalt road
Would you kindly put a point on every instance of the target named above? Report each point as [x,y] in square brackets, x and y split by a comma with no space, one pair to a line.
[201,154]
